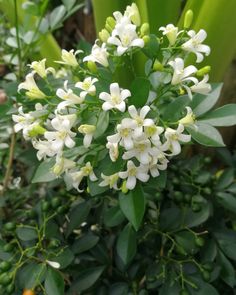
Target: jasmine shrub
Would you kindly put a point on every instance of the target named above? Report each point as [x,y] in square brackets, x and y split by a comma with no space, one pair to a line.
[106,130]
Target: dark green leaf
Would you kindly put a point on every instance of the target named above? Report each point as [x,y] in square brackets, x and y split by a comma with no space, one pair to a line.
[85,243]
[119,289]
[95,189]
[140,91]
[151,48]
[192,219]
[187,241]
[227,272]
[77,216]
[30,275]
[206,135]
[54,283]
[173,110]
[86,279]
[43,172]
[102,124]
[26,233]
[227,242]
[126,244]
[223,116]
[133,206]
[113,216]
[226,178]
[170,218]
[64,259]
[203,103]
[227,201]
[203,287]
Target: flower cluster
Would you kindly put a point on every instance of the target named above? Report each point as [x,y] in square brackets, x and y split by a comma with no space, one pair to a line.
[93,117]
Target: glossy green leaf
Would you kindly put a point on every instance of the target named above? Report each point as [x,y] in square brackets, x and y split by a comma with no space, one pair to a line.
[206,135]
[56,16]
[65,258]
[26,233]
[227,272]
[30,275]
[113,216]
[43,172]
[203,288]
[54,283]
[227,241]
[201,104]
[119,289]
[86,279]
[225,179]
[227,201]
[126,244]
[133,206]
[140,91]
[223,116]
[173,110]
[152,47]
[192,219]
[85,243]
[186,240]
[102,123]
[69,4]
[77,216]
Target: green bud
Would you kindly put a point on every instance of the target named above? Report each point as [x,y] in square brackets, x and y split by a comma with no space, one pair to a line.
[206,275]
[9,226]
[146,39]
[157,66]
[10,288]
[5,265]
[110,21]
[5,279]
[203,71]
[104,35]
[199,241]
[196,207]
[36,130]
[55,202]
[8,247]
[145,29]
[124,188]
[188,18]
[45,206]
[208,266]
[108,28]
[92,67]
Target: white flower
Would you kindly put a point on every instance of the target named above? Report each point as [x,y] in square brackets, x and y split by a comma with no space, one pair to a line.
[110,180]
[88,130]
[63,135]
[132,13]
[159,163]
[174,137]
[133,173]
[195,44]
[32,89]
[40,68]
[62,165]
[181,74]
[53,264]
[23,120]
[140,119]
[142,151]
[113,150]
[69,96]
[171,32]
[202,87]
[124,136]
[69,57]
[189,119]
[44,149]
[114,100]
[98,54]
[124,36]
[153,132]
[77,176]
[87,86]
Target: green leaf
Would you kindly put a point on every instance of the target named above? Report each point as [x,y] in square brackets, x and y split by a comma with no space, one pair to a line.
[102,124]
[69,4]
[227,242]
[186,240]
[64,259]
[85,243]
[133,206]
[226,178]
[140,91]
[173,110]
[56,16]
[126,244]
[30,275]
[77,216]
[227,201]
[227,272]
[192,219]
[113,216]
[54,283]
[203,287]
[26,233]
[95,189]
[170,219]
[86,279]
[206,135]
[224,116]
[43,172]
[201,104]
[119,289]
[152,47]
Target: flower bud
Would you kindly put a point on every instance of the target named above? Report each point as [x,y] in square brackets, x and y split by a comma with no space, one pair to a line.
[157,66]
[145,29]
[36,130]
[203,71]
[181,91]
[92,66]
[110,21]
[124,187]
[189,119]
[108,28]
[146,39]
[188,18]
[104,35]
[86,129]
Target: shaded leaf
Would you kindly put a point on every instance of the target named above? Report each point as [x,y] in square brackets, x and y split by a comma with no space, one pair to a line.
[26,233]
[140,91]
[54,283]
[227,201]
[85,243]
[43,172]
[113,216]
[227,272]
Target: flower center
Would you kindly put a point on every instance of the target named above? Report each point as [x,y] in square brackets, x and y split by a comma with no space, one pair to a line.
[133,171]
[125,132]
[115,99]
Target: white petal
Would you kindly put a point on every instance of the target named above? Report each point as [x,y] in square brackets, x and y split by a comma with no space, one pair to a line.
[131,182]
